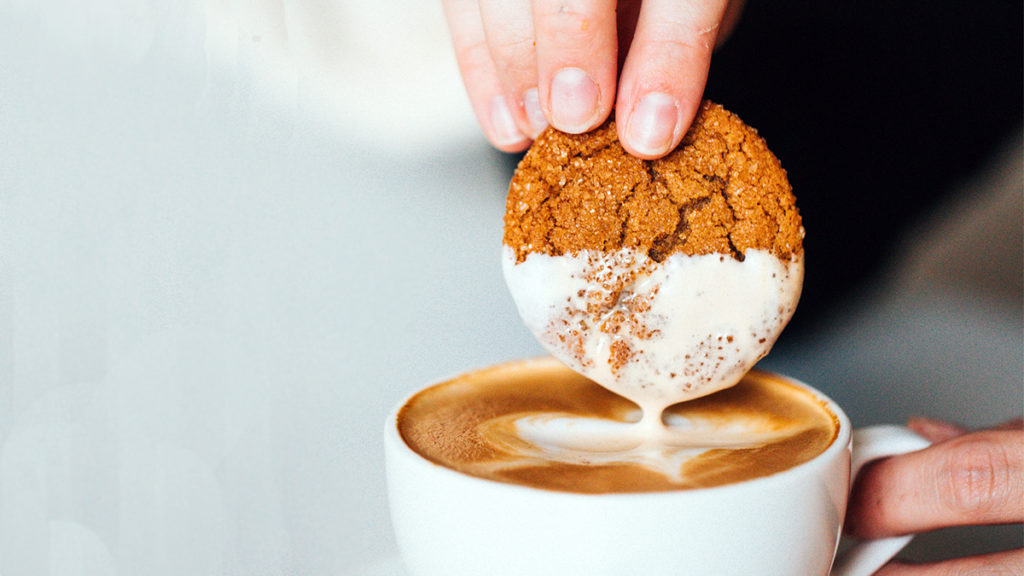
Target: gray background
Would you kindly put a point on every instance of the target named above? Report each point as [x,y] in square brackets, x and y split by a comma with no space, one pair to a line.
[232,235]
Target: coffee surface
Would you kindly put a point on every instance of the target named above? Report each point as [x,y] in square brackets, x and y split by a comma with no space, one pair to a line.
[539,424]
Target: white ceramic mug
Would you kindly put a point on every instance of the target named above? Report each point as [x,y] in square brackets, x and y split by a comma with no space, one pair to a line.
[451,524]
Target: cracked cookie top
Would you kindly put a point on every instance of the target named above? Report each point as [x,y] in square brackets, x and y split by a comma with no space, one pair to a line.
[721,191]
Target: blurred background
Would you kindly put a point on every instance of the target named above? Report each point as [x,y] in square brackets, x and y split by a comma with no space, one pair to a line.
[234,234]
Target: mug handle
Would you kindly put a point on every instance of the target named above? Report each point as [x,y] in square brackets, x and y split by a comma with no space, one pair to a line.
[869,444]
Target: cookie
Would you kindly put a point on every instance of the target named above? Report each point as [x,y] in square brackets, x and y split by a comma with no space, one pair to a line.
[662,280]
[721,191]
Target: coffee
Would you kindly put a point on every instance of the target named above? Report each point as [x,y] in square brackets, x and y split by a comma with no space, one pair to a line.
[539,424]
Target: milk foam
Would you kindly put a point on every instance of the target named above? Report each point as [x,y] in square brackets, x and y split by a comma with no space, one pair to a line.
[595,441]
[657,333]
[540,424]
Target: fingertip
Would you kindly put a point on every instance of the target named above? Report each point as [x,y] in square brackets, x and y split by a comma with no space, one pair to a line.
[503,131]
[664,74]
[534,113]
[649,128]
[577,62]
[500,123]
[513,148]
[656,123]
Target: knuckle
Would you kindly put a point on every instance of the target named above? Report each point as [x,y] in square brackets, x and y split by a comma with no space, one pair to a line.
[678,48]
[514,45]
[514,56]
[659,58]
[975,477]
[688,33]
[668,48]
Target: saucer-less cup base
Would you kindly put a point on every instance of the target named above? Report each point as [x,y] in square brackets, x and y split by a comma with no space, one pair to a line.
[450,524]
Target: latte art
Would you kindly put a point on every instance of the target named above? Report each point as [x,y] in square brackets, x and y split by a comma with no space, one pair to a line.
[540,424]
[537,440]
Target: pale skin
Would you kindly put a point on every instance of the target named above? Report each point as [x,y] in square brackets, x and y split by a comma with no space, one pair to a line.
[530,64]
[964,478]
[568,63]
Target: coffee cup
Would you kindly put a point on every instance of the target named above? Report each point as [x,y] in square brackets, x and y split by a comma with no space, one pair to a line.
[769,500]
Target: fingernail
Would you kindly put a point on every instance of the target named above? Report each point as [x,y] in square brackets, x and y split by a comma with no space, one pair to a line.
[504,126]
[574,100]
[531,103]
[653,123]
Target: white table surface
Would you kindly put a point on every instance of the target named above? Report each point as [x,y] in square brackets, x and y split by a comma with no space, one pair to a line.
[231,239]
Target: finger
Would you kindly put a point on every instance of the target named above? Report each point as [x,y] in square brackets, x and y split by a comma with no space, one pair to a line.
[664,74]
[508,27]
[1008,562]
[935,430]
[976,478]
[486,95]
[576,61]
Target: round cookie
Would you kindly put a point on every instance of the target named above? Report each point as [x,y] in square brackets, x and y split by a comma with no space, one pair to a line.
[721,191]
[662,280]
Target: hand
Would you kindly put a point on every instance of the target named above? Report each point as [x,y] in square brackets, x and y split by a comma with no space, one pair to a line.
[526,64]
[962,479]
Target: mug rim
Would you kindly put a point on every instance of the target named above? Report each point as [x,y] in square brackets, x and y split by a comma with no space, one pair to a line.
[840,443]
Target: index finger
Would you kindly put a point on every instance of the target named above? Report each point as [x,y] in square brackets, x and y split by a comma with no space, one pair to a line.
[976,478]
[664,73]
[577,51]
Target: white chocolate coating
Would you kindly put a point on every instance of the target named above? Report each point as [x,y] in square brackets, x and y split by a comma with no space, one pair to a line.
[657,333]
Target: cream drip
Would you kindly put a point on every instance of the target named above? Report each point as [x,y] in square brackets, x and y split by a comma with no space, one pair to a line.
[657,333]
